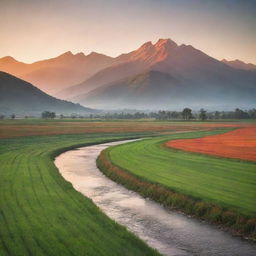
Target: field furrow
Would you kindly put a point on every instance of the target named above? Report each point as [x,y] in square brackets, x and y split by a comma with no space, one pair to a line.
[41,213]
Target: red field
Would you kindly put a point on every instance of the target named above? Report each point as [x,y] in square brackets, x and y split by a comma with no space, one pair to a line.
[240,144]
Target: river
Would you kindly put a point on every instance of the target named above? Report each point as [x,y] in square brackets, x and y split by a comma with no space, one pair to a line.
[171,233]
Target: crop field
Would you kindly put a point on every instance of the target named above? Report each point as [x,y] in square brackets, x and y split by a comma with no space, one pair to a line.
[41,213]
[28,127]
[240,144]
[226,186]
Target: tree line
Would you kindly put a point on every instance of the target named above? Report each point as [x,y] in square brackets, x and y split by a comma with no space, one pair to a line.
[185,114]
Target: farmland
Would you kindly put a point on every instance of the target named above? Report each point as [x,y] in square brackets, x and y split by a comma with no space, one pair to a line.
[240,144]
[30,127]
[41,213]
[217,189]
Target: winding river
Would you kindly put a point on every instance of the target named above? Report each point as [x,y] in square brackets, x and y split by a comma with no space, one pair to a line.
[169,232]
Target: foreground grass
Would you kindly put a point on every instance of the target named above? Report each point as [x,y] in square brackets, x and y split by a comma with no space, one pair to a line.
[41,213]
[222,190]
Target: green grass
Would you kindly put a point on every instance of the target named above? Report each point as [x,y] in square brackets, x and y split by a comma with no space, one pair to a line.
[228,183]
[41,213]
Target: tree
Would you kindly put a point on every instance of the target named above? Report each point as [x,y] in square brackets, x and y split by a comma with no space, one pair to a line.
[48,114]
[202,114]
[187,113]
[240,114]
[53,115]
[174,114]
[73,116]
[217,115]
[252,113]
[2,117]
[13,116]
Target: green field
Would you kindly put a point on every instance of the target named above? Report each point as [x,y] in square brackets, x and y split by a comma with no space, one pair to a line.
[41,213]
[228,183]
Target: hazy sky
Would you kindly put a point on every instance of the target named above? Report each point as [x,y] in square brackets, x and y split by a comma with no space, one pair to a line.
[31,30]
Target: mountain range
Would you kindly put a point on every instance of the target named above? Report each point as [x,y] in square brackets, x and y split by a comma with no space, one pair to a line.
[55,74]
[20,97]
[165,75]
[154,76]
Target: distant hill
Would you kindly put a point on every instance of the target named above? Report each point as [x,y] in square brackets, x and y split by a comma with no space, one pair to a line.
[202,80]
[138,91]
[158,90]
[238,64]
[20,97]
[55,74]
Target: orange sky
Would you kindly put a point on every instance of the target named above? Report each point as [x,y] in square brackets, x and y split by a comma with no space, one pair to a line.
[33,29]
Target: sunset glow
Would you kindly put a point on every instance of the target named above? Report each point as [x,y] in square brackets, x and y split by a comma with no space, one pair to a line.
[34,30]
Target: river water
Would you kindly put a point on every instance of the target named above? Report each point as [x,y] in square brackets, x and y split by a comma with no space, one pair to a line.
[171,233]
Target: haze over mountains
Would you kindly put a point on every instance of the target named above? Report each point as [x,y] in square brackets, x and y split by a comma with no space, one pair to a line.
[155,76]
[238,64]
[55,74]
[20,97]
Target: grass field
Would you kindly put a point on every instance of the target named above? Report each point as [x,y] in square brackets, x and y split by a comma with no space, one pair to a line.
[41,213]
[240,144]
[221,182]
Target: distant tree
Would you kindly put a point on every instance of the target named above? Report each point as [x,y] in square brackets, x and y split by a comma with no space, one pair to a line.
[53,115]
[202,114]
[174,114]
[45,114]
[252,113]
[240,114]
[61,116]
[161,115]
[48,114]
[73,116]
[216,115]
[187,113]
[2,117]
[13,116]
